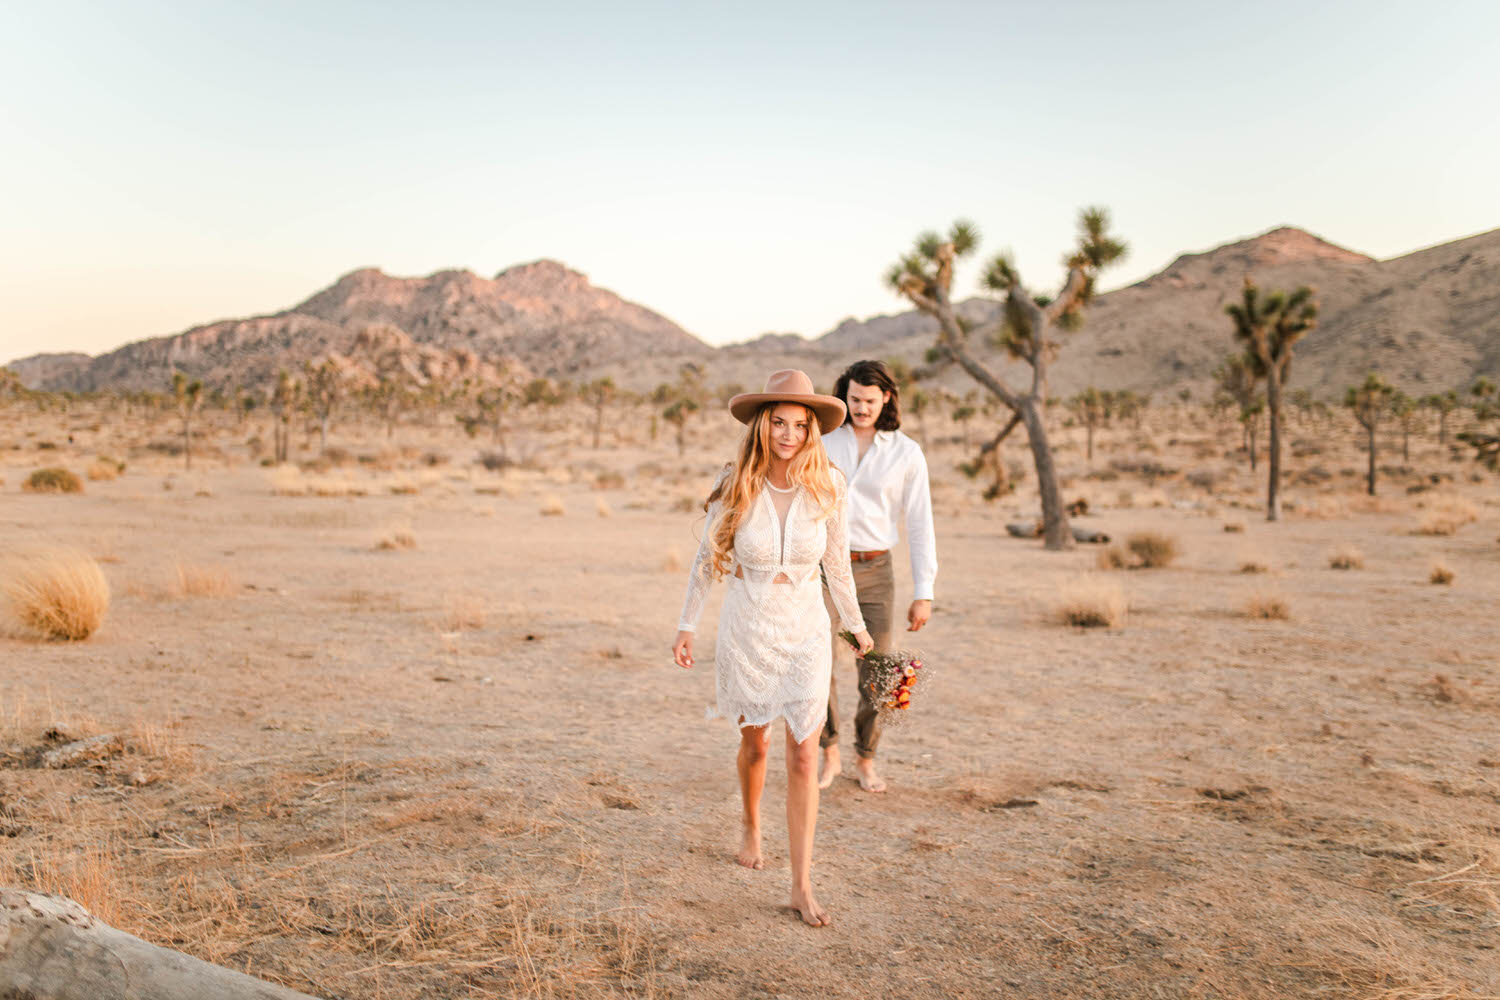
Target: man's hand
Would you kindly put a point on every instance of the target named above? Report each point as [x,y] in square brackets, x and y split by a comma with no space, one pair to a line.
[682,650]
[918,614]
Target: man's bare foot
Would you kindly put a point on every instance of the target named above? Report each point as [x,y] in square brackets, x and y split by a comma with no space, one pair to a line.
[750,855]
[808,908]
[832,765]
[868,779]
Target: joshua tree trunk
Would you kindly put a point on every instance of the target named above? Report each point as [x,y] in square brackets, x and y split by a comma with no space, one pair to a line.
[1056,532]
[53,949]
[1273,409]
[1090,425]
[1250,436]
[1370,478]
[187,441]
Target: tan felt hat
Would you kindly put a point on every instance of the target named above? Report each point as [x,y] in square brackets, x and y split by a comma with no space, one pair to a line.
[790,386]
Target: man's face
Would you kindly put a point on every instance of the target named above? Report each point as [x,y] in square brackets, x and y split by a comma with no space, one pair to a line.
[865,403]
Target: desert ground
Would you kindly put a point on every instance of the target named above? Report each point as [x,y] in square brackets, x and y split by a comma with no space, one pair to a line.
[396,725]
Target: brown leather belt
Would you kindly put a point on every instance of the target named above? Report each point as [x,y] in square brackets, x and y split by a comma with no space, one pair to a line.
[867,556]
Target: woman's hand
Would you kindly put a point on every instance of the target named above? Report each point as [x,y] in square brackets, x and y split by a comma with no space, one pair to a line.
[862,642]
[682,650]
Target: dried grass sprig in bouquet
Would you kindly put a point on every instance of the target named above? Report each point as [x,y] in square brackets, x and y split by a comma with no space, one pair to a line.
[893,677]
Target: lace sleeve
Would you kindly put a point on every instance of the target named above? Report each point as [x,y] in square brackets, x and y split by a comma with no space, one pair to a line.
[701,575]
[836,559]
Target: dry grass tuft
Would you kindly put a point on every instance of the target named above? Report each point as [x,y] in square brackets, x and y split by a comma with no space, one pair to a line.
[462,613]
[59,594]
[202,581]
[52,480]
[1445,515]
[602,506]
[671,560]
[1268,605]
[1346,557]
[1152,550]
[1091,602]
[90,876]
[396,541]
[1112,557]
[1440,574]
[1234,527]
[1253,566]
[552,506]
[105,469]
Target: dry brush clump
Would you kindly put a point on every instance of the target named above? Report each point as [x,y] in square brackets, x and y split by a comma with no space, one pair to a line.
[552,506]
[1440,574]
[190,580]
[1346,557]
[396,540]
[1268,605]
[1142,550]
[57,594]
[52,480]
[105,469]
[1090,602]
[1445,515]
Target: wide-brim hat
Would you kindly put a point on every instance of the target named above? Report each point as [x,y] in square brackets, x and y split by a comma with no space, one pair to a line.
[790,386]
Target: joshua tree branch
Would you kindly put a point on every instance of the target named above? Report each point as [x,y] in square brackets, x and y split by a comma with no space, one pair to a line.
[1068,297]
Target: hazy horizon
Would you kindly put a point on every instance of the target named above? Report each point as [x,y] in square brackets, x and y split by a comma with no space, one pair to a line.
[739,172]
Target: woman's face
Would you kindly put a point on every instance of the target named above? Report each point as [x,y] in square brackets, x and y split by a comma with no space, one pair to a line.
[788,430]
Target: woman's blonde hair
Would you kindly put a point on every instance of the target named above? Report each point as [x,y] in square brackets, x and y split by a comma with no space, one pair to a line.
[809,469]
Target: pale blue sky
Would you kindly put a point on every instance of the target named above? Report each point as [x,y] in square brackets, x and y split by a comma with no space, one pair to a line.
[739,168]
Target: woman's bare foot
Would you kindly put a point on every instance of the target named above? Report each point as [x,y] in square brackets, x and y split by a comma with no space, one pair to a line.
[808,908]
[750,855]
[868,779]
[832,765]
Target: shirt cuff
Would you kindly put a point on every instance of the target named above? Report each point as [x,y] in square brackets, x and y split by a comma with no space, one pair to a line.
[682,627]
[922,591]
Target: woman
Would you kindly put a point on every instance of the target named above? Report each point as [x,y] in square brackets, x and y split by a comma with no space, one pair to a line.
[775,514]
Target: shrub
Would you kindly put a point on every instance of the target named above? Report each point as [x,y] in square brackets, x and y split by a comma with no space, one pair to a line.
[1440,574]
[602,506]
[1346,557]
[1269,606]
[397,541]
[1445,515]
[52,480]
[202,581]
[1112,557]
[552,506]
[1151,549]
[58,594]
[1091,603]
[1253,566]
[105,469]
[1234,527]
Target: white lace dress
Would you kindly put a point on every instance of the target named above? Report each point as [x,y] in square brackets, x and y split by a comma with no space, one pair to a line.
[773,656]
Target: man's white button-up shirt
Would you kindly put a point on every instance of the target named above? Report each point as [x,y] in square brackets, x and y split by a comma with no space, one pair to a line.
[887,488]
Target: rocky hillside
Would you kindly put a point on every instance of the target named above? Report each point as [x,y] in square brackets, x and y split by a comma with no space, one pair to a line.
[1429,320]
[541,316]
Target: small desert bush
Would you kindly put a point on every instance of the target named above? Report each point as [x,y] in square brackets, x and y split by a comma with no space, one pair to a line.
[1445,515]
[1268,605]
[1234,527]
[462,612]
[1151,549]
[1112,557]
[1091,602]
[105,469]
[201,581]
[602,506]
[1440,574]
[58,594]
[1253,566]
[1346,557]
[52,480]
[552,506]
[394,541]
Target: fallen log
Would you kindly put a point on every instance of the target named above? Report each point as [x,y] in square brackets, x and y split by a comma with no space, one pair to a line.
[1033,529]
[53,949]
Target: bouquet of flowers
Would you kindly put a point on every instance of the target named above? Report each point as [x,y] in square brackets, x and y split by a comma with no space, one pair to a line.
[893,678]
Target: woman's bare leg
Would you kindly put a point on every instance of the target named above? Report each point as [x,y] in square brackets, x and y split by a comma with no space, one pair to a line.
[801,822]
[754,742]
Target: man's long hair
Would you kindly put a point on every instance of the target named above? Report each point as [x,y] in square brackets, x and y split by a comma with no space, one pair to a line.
[809,468]
[876,375]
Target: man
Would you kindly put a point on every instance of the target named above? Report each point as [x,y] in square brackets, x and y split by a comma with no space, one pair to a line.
[887,477]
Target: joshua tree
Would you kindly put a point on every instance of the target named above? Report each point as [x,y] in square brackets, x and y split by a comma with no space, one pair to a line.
[1029,328]
[325,387]
[598,394]
[1404,409]
[1268,325]
[1444,403]
[1485,398]
[189,396]
[1236,386]
[1369,401]
[1092,408]
[677,414]
[285,401]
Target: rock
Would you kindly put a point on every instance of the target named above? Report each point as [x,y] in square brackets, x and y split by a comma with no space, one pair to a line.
[95,748]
